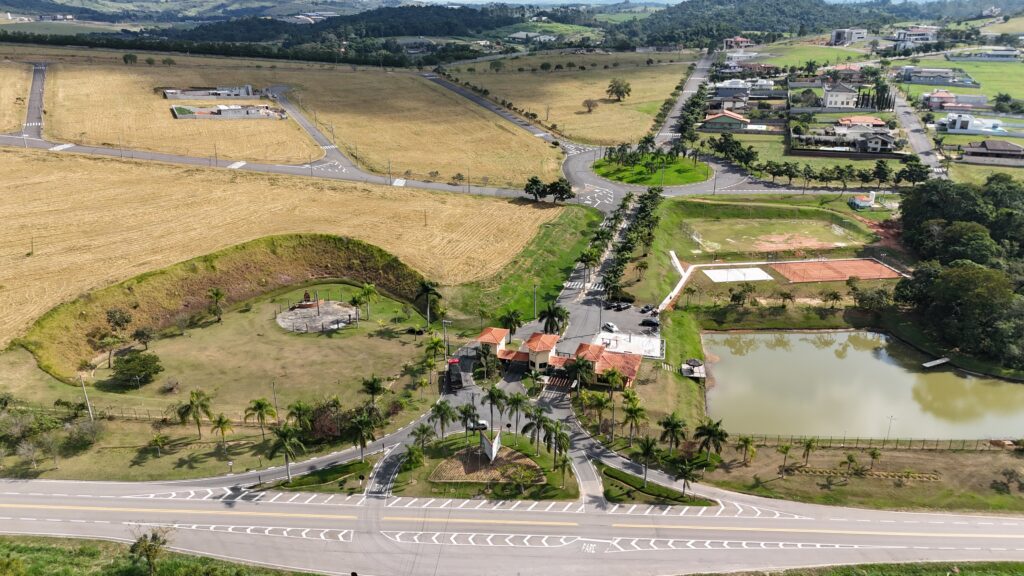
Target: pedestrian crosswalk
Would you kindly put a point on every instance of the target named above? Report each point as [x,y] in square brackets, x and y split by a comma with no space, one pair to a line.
[330,147]
[29,124]
[235,494]
[574,507]
[577,285]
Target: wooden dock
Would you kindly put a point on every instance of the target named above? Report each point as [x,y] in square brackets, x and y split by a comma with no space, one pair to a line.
[935,363]
[694,371]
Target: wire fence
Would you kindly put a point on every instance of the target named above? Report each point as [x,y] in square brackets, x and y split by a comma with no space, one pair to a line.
[855,443]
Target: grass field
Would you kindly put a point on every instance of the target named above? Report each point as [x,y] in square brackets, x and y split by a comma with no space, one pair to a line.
[15,79]
[64,28]
[771,147]
[420,127]
[132,217]
[791,54]
[118,106]
[763,235]
[616,17]
[977,174]
[557,97]
[679,171]
[994,77]
[1011,26]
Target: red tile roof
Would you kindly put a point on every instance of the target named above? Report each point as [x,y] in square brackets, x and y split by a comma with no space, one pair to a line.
[590,352]
[867,120]
[513,355]
[627,364]
[540,342]
[491,335]
[728,114]
[559,361]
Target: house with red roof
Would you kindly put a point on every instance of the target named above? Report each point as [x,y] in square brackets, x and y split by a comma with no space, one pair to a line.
[738,42]
[725,121]
[872,121]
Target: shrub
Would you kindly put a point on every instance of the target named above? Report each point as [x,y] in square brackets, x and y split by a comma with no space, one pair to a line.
[137,368]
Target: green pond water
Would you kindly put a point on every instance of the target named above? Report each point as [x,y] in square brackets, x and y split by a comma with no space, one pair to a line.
[849,384]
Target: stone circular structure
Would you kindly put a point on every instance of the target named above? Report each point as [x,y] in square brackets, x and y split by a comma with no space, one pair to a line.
[309,317]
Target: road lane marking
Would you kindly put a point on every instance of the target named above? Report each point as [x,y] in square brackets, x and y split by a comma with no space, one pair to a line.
[178,511]
[817,531]
[480,521]
[236,165]
[60,147]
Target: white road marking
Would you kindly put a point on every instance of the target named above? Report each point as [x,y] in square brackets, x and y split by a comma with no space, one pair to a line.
[236,165]
[60,147]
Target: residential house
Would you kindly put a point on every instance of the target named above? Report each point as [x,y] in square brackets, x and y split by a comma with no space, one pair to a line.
[876,143]
[855,138]
[760,69]
[725,121]
[840,95]
[960,123]
[916,34]
[540,348]
[731,88]
[494,339]
[844,36]
[628,365]
[738,42]
[522,37]
[741,56]
[847,73]
[994,149]
[991,12]
[946,100]
[936,76]
[869,121]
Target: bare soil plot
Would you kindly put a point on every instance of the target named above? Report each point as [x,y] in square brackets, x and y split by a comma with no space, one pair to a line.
[73,223]
[557,98]
[120,106]
[15,79]
[770,235]
[834,270]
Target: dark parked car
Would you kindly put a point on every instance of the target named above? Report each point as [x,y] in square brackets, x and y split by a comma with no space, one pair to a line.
[652,322]
[620,306]
[647,308]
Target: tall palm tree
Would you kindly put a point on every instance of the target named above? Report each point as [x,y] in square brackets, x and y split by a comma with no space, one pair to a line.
[158,442]
[422,434]
[745,446]
[686,470]
[430,366]
[486,356]
[260,409]
[427,290]
[467,416]
[374,386]
[363,431]
[216,296]
[614,379]
[301,414]
[496,398]
[433,346]
[582,370]
[784,450]
[443,414]
[875,454]
[286,442]
[556,437]
[536,419]
[515,404]
[221,423]
[198,405]
[554,318]
[711,435]
[634,415]
[809,445]
[511,320]
[599,403]
[562,464]
[647,448]
[673,430]
[368,294]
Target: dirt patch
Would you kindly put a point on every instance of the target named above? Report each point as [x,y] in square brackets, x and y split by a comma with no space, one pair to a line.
[834,270]
[790,242]
[470,465]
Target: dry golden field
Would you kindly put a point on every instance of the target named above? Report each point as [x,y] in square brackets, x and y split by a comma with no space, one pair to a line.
[559,95]
[73,223]
[15,79]
[118,106]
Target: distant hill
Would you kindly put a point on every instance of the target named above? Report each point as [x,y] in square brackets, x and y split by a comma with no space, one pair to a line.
[178,10]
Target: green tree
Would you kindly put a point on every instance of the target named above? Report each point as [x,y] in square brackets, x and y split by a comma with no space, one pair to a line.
[633,414]
[467,417]
[536,420]
[137,368]
[300,413]
[495,398]
[286,442]
[534,187]
[143,336]
[373,386]
[784,450]
[745,446]
[511,320]
[673,430]
[422,434]
[711,435]
[875,454]
[118,319]
[560,190]
[216,296]
[221,424]
[442,414]
[362,429]
[158,442]
[554,318]
[260,409]
[686,471]
[198,405]
[515,404]
[882,172]
[150,546]
[433,346]
[618,89]
[130,59]
[809,445]
[368,293]
[647,449]
[427,291]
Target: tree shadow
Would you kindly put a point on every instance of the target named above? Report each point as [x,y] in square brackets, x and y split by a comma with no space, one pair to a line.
[191,461]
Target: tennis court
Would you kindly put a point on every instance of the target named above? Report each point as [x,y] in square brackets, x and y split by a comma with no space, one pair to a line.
[834,270]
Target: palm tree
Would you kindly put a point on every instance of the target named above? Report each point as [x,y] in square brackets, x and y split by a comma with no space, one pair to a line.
[536,419]
[427,290]
[221,424]
[374,386]
[301,414]
[198,405]
[745,445]
[362,429]
[421,384]
[511,320]
[614,379]
[287,442]
[647,448]
[556,438]
[711,435]
[158,442]
[422,434]
[433,346]
[582,370]
[875,454]
[467,416]
[686,470]
[486,357]
[600,402]
[496,398]
[635,415]
[515,404]
[562,464]
[260,409]
[554,318]
[216,296]
[851,459]
[443,414]
[641,269]
[430,366]
[809,445]
[673,430]
[368,294]
[784,450]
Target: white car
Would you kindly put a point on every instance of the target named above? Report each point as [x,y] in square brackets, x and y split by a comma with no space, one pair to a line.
[609,327]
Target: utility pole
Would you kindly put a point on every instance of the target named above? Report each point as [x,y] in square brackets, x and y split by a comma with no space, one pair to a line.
[310,165]
[534,300]
[277,409]
[444,329]
[216,160]
[87,403]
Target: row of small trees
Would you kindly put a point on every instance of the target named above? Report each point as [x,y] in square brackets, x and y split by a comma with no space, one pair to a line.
[559,190]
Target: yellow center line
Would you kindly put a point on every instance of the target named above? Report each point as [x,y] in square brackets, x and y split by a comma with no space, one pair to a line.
[178,511]
[816,531]
[477,521]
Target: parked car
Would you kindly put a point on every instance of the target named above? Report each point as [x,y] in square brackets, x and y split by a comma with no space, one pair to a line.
[652,322]
[609,305]
[609,327]
[623,306]
[647,308]
[479,425]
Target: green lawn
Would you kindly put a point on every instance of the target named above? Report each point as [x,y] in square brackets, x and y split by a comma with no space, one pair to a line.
[546,262]
[624,488]
[618,17]
[977,174]
[770,147]
[417,483]
[798,54]
[343,478]
[678,172]
[994,77]
[37,556]
[1012,26]
[761,235]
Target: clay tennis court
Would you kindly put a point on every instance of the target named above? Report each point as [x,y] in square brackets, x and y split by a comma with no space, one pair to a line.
[832,270]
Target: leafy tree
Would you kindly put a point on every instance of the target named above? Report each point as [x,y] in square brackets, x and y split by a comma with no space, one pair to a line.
[130,59]
[784,450]
[427,290]
[511,320]
[711,435]
[300,413]
[468,416]
[143,336]
[618,89]
[373,386]
[137,367]
[261,409]
[287,443]
[362,429]
[422,434]
[590,104]
[560,190]
[118,319]
[168,62]
[150,547]
[647,449]
[222,425]
[368,293]
[442,414]
[745,446]
[216,296]
[496,66]
[536,420]
[198,405]
[495,398]
[673,430]
[433,346]
[634,415]
[875,454]
[158,442]
[809,445]
[534,187]
[686,471]
[150,60]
